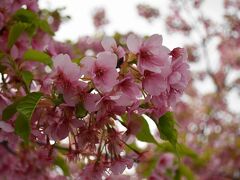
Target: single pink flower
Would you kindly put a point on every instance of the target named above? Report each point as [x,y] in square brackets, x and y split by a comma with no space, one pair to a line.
[151,54]
[109,44]
[102,70]
[66,75]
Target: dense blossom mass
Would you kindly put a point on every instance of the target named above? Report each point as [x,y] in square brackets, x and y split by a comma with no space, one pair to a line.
[61,106]
[208,117]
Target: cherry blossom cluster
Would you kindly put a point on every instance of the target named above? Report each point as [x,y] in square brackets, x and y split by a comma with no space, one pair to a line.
[117,81]
[85,100]
[208,118]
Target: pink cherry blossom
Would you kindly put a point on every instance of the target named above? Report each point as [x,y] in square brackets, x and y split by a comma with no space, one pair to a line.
[101,70]
[61,123]
[109,44]
[151,54]
[66,75]
[127,91]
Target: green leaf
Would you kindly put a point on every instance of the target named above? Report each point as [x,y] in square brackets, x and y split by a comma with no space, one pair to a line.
[144,134]
[182,150]
[27,77]
[80,111]
[34,55]
[27,104]
[9,111]
[186,172]
[31,29]
[166,127]
[15,31]
[44,26]
[22,127]
[59,161]
[24,15]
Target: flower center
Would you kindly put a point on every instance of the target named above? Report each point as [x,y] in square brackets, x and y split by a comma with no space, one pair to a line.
[99,72]
[145,54]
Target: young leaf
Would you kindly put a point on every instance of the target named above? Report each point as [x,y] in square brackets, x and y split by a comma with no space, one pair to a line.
[22,127]
[182,150]
[59,161]
[144,134]
[44,26]
[186,172]
[166,127]
[27,77]
[24,15]
[28,104]
[15,31]
[9,111]
[34,55]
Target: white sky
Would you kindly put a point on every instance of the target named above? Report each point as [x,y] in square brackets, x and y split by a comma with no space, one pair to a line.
[122,15]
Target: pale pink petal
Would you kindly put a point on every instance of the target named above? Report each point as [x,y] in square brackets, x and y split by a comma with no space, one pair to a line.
[108,43]
[134,43]
[153,43]
[107,60]
[90,102]
[108,81]
[61,60]
[87,65]
[70,98]
[122,100]
[154,84]
[63,63]
[174,78]
[120,52]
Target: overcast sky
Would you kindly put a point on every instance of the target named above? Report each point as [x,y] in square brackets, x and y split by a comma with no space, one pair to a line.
[122,15]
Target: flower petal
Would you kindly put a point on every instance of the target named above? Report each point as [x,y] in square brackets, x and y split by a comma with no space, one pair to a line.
[108,43]
[107,60]
[87,65]
[134,43]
